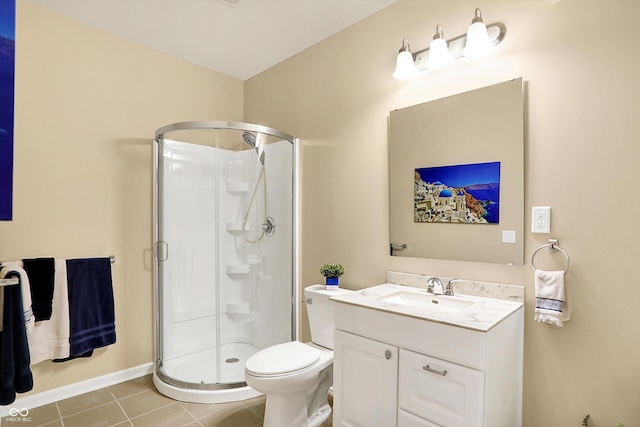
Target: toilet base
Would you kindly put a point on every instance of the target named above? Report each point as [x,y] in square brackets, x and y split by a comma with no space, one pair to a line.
[321,415]
[291,411]
[298,409]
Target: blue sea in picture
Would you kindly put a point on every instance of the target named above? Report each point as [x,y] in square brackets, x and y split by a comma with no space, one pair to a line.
[493,208]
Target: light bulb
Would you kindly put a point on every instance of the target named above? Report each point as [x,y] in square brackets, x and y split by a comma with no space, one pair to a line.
[477,37]
[405,67]
[438,50]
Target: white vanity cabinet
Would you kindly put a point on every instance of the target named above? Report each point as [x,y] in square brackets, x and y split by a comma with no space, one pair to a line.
[392,369]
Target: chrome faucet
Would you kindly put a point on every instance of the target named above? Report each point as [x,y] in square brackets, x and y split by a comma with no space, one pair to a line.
[435,286]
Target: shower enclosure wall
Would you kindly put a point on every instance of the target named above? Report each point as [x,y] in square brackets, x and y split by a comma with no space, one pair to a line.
[224,276]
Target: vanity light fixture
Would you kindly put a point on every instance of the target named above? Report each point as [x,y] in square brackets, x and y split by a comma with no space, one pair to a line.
[405,67]
[478,39]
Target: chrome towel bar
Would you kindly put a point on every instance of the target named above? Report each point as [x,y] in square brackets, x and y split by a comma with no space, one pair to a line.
[9,282]
[14,281]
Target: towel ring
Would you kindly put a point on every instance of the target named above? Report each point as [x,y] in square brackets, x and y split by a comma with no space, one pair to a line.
[553,247]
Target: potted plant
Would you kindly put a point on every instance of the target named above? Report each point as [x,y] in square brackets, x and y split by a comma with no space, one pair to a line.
[332,272]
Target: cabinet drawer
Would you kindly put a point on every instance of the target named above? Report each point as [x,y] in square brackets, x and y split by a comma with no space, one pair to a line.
[406,419]
[446,342]
[444,393]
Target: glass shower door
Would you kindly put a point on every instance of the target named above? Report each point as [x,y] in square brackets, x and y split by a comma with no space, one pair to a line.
[190,268]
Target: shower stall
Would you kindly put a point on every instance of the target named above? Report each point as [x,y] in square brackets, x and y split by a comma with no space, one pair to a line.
[224,266]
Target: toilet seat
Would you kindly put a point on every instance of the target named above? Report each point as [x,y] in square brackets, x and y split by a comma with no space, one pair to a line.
[282,359]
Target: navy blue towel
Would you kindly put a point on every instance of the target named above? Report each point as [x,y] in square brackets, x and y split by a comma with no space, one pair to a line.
[15,374]
[91,307]
[41,272]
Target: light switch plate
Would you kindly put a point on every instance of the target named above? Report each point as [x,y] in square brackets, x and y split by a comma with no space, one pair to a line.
[541,219]
[508,236]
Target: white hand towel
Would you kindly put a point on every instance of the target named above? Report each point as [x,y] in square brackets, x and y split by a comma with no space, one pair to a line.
[29,318]
[50,338]
[551,302]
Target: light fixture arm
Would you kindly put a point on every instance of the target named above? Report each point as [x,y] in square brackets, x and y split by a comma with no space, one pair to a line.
[478,17]
[405,47]
[439,33]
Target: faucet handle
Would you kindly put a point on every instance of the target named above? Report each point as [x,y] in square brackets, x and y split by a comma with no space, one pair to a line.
[449,288]
[430,287]
[435,286]
[429,282]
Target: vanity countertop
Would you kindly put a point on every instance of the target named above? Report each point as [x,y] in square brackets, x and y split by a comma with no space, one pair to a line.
[473,312]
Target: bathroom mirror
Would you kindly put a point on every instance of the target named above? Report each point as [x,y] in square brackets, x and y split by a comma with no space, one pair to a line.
[435,151]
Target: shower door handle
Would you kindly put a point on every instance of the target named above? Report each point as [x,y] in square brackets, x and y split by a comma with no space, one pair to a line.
[161,251]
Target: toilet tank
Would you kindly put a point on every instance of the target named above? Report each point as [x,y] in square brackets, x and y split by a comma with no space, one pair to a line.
[320,311]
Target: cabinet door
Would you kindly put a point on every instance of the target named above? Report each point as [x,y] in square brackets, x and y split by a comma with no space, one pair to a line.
[444,393]
[365,382]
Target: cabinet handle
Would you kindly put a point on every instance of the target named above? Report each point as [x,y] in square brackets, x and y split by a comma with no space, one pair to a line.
[434,371]
[387,354]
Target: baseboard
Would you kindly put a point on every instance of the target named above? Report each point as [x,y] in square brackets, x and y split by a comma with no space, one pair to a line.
[65,392]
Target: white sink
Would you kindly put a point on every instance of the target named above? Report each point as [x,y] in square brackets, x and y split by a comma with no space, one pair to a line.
[466,310]
[449,304]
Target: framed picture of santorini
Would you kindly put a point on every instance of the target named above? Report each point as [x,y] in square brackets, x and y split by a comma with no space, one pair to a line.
[7,73]
[460,194]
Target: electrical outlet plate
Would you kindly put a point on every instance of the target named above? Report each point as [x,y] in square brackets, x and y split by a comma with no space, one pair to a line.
[541,219]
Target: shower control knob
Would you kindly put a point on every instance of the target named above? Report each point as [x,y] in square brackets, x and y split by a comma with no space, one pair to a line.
[269,226]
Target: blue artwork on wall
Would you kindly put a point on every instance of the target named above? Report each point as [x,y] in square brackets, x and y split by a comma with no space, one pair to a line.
[7,78]
[468,194]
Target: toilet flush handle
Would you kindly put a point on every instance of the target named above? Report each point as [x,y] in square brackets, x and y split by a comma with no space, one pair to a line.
[308,300]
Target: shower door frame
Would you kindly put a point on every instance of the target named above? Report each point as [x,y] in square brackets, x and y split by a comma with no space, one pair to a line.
[158,252]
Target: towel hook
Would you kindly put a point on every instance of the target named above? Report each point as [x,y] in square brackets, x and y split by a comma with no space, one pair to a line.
[553,247]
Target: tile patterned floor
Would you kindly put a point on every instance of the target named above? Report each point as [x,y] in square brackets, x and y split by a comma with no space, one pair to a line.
[137,403]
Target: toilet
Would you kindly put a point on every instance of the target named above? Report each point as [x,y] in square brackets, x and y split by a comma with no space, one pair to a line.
[296,376]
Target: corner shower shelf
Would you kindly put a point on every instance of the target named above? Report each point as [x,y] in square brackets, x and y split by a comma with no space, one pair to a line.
[236,227]
[240,312]
[241,318]
[238,307]
[237,186]
[238,269]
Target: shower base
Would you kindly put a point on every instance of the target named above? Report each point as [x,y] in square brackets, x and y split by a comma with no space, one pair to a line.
[200,368]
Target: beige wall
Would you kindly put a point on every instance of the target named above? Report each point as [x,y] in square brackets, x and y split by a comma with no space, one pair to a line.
[87,107]
[88,104]
[581,158]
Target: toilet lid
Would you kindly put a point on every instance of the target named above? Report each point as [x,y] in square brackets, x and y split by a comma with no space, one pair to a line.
[283,358]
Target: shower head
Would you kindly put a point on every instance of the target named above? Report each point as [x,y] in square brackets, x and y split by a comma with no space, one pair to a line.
[249,138]
[254,141]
